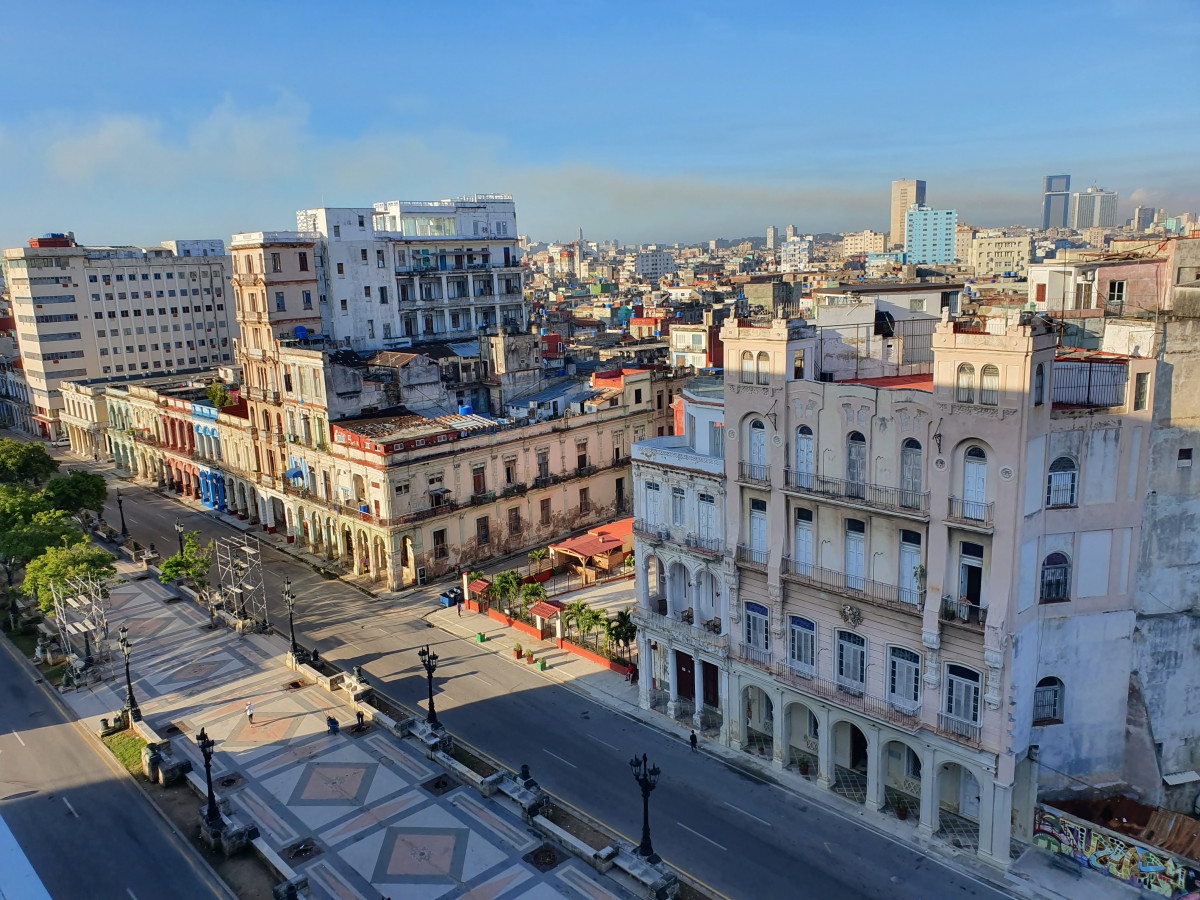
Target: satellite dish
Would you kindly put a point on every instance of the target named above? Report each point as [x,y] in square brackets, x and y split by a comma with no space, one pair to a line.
[301,332]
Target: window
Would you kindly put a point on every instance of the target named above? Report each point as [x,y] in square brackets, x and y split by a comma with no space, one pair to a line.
[855,553]
[383,297]
[678,496]
[341,267]
[280,304]
[856,464]
[308,299]
[1056,578]
[851,661]
[965,385]
[514,520]
[910,474]
[585,501]
[362,222]
[717,439]
[911,571]
[763,367]
[440,551]
[1184,459]
[276,263]
[758,529]
[303,261]
[1141,389]
[747,367]
[975,484]
[482,537]
[904,679]
[962,694]
[379,259]
[652,508]
[637,395]
[798,364]
[989,386]
[1060,486]
[1039,385]
[543,464]
[1048,702]
[363,255]
[544,511]
[757,635]
[802,645]
[802,542]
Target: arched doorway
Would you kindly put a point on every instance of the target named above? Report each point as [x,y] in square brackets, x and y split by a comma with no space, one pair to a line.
[656,584]
[958,797]
[363,559]
[802,734]
[758,718]
[902,774]
[379,559]
[708,601]
[678,590]
[851,760]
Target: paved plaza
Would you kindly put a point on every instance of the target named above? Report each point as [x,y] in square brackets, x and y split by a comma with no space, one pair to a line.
[358,813]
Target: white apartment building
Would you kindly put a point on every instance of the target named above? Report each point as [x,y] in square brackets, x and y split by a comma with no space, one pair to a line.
[653,264]
[995,253]
[772,237]
[796,254]
[860,242]
[404,271]
[87,312]
[921,570]
[680,507]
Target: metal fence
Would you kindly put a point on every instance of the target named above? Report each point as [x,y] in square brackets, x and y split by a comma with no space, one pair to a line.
[1087,383]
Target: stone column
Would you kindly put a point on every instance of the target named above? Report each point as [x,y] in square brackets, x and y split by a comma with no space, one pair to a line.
[777,748]
[699,680]
[673,681]
[929,806]
[995,822]
[645,671]
[723,702]
[874,798]
[824,751]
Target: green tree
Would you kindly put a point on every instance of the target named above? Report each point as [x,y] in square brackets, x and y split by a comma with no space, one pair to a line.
[24,461]
[531,594]
[506,586]
[18,505]
[24,542]
[536,556]
[592,620]
[192,566]
[622,630]
[573,614]
[77,493]
[57,564]
[218,393]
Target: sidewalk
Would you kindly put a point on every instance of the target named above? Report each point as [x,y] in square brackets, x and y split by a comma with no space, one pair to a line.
[360,816]
[1032,876]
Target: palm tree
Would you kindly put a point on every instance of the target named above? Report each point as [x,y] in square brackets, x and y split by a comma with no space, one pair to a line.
[574,613]
[592,619]
[531,594]
[536,556]
[506,586]
[623,630]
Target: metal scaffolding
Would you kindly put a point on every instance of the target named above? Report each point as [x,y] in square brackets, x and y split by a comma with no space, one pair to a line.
[81,615]
[239,566]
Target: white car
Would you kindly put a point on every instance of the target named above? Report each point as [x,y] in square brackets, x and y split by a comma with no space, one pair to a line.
[61,442]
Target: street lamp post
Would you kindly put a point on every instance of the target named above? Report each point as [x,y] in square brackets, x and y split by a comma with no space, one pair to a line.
[212,815]
[121,510]
[289,597]
[429,661]
[647,778]
[135,713]
[179,534]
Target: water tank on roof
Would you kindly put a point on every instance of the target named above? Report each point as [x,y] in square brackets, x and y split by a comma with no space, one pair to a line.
[301,332]
[466,409]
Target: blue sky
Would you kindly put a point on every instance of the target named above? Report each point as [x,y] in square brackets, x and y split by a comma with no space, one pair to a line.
[138,122]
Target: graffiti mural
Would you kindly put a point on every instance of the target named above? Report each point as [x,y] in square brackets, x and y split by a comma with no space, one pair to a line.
[1114,855]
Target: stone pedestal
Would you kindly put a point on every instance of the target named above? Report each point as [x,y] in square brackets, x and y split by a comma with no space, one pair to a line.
[151,760]
[235,838]
[172,771]
[210,835]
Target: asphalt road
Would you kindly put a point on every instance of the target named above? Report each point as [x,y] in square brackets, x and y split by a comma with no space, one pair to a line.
[740,835]
[86,828]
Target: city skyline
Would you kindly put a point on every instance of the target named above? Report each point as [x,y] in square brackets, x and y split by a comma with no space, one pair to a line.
[240,137]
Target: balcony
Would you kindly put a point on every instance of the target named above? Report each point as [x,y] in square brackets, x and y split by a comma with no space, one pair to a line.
[753,473]
[856,587]
[480,497]
[859,494]
[965,613]
[707,546]
[752,558]
[513,490]
[673,451]
[698,636]
[848,696]
[649,531]
[973,514]
[959,729]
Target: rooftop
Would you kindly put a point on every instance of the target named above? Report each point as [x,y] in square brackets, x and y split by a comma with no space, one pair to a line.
[405,426]
[917,382]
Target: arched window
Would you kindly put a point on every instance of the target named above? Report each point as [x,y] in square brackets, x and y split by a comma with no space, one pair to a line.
[1061,484]
[1039,385]
[965,386]
[747,367]
[975,484]
[910,475]
[764,367]
[1056,578]
[1048,702]
[756,451]
[989,386]
[856,463]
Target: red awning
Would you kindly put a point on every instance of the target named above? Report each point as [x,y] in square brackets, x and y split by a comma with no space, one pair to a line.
[479,585]
[543,610]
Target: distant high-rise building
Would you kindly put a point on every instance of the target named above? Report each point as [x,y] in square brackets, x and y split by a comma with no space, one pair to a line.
[1093,208]
[791,232]
[772,237]
[929,234]
[1056,197]
[906,192]
[1143,217]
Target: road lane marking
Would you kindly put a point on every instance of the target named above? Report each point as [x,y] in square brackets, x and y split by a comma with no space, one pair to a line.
[751,815]
[130,892]
[70,807]
[702,837]
[18,737]
[606,744]
[560,759]
[484,680]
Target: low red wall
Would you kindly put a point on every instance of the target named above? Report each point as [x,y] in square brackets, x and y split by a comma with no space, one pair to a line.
[513,623]
[588,654]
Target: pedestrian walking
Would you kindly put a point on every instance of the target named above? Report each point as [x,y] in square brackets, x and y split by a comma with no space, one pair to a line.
[693,741]
[250,712]
[459,605]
